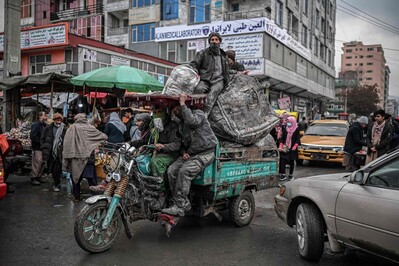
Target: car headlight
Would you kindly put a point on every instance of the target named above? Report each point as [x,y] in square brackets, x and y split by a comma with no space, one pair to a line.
[338,149]
[303,147]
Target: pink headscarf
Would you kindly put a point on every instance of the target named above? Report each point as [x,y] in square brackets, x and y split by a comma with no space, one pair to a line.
[290,130]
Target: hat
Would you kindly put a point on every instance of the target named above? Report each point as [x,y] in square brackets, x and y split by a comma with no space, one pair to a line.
[57,116]
[231,54]
[363,120]
[214,34]
[143,117]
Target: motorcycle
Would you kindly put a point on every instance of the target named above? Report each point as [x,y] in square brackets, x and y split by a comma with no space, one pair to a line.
[129,196]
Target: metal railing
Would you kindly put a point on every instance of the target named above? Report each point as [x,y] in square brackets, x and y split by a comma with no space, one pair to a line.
[96,9]
[117,31]
[246,14]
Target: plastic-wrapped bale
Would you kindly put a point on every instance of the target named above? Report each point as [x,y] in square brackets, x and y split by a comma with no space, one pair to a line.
[183,79]
[242,114]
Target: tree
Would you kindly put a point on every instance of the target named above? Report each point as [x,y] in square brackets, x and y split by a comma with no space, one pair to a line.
[363,100]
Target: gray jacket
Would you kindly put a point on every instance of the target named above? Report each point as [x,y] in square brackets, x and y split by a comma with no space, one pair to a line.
[204,64]
[196,131]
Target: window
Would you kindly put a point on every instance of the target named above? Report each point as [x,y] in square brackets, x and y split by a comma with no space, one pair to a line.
[331,11]
[348,50]
[143,32]
[141,3]
[200,11]
[305,7]
[63,5]
[370,49]
[235,7]
[279,13]
[37,62]
[370,63]
[370,56]
[317,18]
[322,52]
[360,64]
[170,9]
[323,25]
[316,46]
[304,36]
[369,78]
[369,71]
[26,9]
[386,175]
[348,64]
[348,57]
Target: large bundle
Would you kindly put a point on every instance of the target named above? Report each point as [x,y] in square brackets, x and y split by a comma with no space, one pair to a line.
[183,79]
[242,114]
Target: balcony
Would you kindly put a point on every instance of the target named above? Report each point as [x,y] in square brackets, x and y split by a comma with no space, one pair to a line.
[116,5]
[69,14]
[117,36]
[246,14]
[117,31]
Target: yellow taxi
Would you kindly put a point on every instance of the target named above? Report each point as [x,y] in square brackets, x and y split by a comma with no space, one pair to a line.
[323,140]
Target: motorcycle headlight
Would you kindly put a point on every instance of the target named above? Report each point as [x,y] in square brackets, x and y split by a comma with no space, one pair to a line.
[114,161]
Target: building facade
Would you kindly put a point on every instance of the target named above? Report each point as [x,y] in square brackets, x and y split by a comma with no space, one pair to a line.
[343,84]
[370,64]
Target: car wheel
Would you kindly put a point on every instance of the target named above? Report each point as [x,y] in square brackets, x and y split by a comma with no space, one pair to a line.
[310,231]
[299,162]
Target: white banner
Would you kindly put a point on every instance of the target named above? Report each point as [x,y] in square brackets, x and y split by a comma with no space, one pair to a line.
[119,61]
[245,46]
[256,66]
[90,55]
[181,32]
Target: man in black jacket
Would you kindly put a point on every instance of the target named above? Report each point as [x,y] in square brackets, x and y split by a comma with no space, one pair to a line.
[37,159]
[51,145]
[354,142]
[198,151]
[213,67]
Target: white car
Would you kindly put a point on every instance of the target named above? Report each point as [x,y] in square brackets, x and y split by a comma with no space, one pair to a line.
[358,210]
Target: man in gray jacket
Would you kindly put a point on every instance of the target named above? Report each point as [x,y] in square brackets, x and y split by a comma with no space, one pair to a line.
[213,67]
[198,151]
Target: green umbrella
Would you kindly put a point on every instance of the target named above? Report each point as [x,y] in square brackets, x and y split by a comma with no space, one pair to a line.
[122,77]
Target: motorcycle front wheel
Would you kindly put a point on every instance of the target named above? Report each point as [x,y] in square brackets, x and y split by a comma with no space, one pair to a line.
[88,228]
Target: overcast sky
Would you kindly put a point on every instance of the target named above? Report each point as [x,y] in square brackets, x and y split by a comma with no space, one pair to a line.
[350,28]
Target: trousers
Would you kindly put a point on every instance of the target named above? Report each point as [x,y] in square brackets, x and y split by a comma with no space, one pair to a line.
[212,91]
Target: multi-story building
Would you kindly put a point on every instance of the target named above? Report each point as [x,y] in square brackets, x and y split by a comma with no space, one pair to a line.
[343,84]
[288,44]
[370,64]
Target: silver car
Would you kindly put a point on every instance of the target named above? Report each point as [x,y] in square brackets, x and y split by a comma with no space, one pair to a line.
[358,210]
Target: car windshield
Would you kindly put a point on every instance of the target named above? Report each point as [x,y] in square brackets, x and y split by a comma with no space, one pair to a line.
[328,129]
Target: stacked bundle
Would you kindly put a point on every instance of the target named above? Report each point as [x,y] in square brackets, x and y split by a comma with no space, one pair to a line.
[22,133]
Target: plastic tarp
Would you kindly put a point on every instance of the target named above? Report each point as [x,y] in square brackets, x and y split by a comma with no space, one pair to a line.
[242,113]
[32,80]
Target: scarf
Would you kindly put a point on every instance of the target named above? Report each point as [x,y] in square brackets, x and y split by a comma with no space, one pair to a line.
[57,144]
[117,122]
[376,133]
[290,131]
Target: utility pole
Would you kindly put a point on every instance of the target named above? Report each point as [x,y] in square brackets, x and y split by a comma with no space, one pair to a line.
[12,57]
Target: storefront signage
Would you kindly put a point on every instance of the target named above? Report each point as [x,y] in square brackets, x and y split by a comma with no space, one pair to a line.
[256,66]
[89,55]
[144,15]
[235,27]
[41,37]
[245,46]
[284,103]
[59,68]
[196,45]
[119,61]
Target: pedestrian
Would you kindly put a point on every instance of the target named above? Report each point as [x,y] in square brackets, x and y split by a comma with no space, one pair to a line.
[129,116]
[303,125]
[198,151]
[288,147]
[235,67]
[354,142]
[81,139]
[51,145]
[115,129]
[395,131]
[213,68]
[37,156]
[378,137]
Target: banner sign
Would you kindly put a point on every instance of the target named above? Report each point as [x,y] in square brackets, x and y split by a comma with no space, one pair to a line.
[119,61]
[41,37]
[181,32]
[245,46]
[256,66]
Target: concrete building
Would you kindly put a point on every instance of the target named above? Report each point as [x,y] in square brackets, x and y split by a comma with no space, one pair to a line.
[288,44]
[370,64]
[343,84]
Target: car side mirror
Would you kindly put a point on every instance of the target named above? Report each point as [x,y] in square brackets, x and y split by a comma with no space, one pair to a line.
[357,177]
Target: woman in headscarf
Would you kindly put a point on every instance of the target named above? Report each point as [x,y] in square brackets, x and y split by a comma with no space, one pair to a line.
[80,141]
[115,129]
[379,137]
[288,147]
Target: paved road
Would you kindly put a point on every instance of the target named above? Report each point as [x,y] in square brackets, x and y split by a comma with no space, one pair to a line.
[36,228]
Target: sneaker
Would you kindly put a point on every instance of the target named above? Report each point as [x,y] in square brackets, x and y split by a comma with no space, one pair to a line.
[173,210]
[282,178]
[56,189]
[290,178]
[35,182]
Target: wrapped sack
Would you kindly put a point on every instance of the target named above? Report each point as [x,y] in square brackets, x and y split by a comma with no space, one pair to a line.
[183,79]
[242,114]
